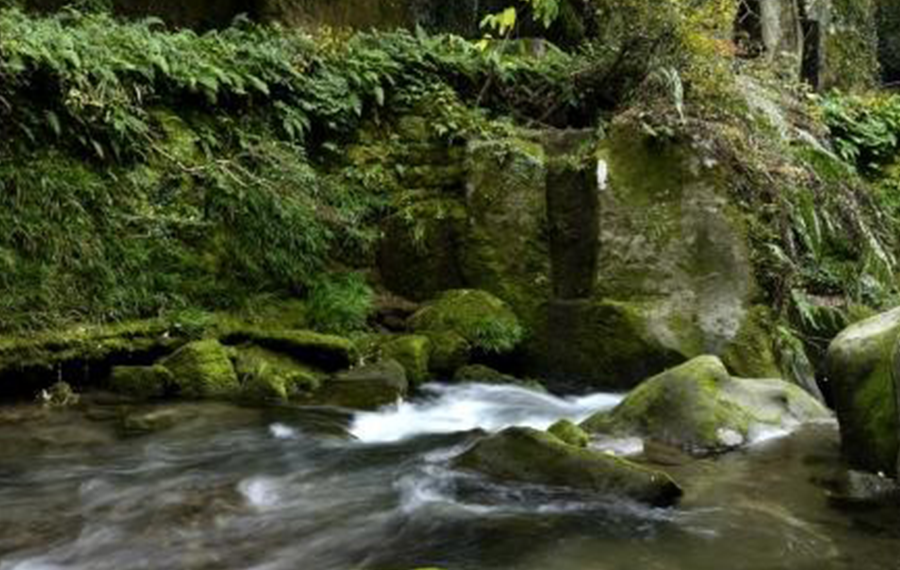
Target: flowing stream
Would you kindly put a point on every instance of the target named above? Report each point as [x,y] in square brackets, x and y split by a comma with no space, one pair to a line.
[323,489]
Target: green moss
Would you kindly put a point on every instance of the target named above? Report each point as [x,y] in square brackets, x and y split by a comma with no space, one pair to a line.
[700,408]
[449,351]
[365,387]
[482,319]
[413,352]
[328,352]
[483,374]
[607,344]
[531,456]
[750,354]
[862,363]
[203,369]
[570,433]
[270,376]
[141,382]
[505,250]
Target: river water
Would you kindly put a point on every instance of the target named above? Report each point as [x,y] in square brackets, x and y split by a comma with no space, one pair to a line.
[324,489]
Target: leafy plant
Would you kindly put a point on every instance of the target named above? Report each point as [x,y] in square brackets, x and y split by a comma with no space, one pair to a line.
[339,303]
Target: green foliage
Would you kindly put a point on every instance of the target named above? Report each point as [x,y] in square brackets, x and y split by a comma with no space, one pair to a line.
[339,303]
[865,130]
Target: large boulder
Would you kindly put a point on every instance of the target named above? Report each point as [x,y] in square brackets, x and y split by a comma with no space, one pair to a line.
[863,370]
[699,408]
[485,321]
[365,387]
[531,456]
[203,369]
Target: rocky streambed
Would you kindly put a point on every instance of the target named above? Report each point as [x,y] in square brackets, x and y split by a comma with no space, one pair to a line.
[287,486]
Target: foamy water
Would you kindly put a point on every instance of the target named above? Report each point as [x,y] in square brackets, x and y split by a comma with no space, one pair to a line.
[463,407]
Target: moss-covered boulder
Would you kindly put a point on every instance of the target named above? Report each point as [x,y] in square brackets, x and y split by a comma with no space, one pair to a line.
[570,433]
[483,374]
[365,387]
[864,373]
[449,351]
[266,375]
[203,369]
[530,456]
[325,351]
[141,382]
[485,321]
[413,353]
[674,277]
[699,408]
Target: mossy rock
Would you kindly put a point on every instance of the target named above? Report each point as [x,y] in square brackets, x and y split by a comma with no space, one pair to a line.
[418,255]
[607,344]
[750,354]
[699,408]
[366,387]
[449,351]
[483,374]
[141,382]
[203,369]
[266,375]
[570,433]
[505,249]
[863,369]
[328,352]
[413,352]
[527,455]
[485,321]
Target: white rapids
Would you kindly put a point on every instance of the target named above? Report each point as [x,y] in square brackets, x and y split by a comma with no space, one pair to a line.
[462,407]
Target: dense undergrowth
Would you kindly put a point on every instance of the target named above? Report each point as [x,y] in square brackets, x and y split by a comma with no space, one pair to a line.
[145,170]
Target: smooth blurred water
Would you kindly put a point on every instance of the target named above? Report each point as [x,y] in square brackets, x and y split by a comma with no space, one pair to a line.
[292,488]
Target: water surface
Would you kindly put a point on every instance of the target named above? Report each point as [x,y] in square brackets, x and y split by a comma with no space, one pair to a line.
[323,489]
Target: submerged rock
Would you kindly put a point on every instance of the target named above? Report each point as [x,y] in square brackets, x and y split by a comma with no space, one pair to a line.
[570,433]
[864,371]
[158,419]
[699,408]
[480,318]
[141,382]
[531,456]
[364,388]
[202,369]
